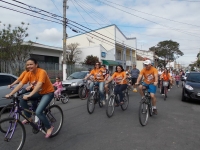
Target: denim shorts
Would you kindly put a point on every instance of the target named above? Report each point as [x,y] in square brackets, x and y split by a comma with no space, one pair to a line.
[151,87]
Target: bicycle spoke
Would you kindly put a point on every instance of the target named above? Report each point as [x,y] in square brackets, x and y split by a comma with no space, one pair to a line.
[143,113]
[15,136]
[55,116]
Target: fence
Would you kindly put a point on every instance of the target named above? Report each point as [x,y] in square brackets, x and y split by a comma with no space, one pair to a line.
[53,69]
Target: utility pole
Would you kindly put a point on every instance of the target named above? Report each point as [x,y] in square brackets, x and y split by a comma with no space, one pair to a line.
[64,40]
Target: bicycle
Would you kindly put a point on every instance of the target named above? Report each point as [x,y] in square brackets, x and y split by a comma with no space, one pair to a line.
[145,108]
[15,131]
[165,85]
[64,98]
[84,90]
[114,99]
[93,98]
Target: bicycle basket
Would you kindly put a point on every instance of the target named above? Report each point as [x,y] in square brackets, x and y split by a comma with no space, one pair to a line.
[165,83]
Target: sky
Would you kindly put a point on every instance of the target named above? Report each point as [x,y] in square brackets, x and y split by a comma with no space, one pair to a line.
[150,21]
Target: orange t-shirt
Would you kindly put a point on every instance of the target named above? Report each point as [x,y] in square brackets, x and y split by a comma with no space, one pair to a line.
[149,75]
[98,74]
[166,77]
[22,75]
[118,76]
[40,76]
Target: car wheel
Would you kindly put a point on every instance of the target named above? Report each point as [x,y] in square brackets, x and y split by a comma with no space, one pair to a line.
[183,97]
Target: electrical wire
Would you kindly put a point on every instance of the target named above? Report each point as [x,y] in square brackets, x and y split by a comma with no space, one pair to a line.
[175,29]
[151,14]
[56,7]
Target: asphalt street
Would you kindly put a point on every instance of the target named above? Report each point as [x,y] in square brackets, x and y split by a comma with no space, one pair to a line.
[176,127]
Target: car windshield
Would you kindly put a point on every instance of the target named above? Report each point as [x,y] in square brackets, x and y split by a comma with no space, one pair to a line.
[193,77]
[77,75]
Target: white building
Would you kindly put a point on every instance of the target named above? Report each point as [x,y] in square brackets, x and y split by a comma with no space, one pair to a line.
[109,44]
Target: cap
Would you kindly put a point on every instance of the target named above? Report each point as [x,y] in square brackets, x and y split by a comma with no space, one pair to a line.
[147,62]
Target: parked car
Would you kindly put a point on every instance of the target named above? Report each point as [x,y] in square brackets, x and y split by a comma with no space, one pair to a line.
[5,80]
[191,88]
[74,82]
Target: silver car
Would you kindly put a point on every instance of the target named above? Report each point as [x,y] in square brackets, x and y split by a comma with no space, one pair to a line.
[5,80]
[74,82]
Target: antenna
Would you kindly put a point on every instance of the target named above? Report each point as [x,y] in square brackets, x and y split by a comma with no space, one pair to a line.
[90,40]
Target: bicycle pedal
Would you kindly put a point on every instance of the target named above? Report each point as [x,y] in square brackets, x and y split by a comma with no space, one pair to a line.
[7,139]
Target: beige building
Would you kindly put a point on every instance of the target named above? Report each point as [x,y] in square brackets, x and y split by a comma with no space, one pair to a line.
[109,44]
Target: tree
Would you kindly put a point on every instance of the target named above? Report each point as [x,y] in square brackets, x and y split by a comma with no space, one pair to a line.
[13,50]
[167,51]
[91,60]
[73,53]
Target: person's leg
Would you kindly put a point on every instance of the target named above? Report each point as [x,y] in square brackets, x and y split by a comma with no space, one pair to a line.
[106,89]
[116,91]
[101,90]
[122,87]
[134,86]
[152,90]
[91,86]
[56,93]
[45,100]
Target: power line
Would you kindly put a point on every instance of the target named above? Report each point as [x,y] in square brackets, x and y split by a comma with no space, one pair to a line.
[150,14]
[175,29]
[61,23]
[79,13]
[56,7]
[96,21]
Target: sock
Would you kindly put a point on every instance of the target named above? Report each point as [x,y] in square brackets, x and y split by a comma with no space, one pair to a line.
[154,107]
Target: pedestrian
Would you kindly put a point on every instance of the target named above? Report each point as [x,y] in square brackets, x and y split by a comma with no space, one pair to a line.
[134,75]
[177,79]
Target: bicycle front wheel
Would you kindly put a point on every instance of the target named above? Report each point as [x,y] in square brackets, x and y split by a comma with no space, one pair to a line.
[15,135]
[126,102]
[110,106]
[90,104]
[55,116]
[143,113]
[64,98]
[83,93]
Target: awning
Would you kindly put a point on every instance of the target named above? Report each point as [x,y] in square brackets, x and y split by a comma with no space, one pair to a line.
[110,62]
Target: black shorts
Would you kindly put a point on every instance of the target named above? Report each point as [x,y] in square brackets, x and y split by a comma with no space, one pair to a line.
[133,80]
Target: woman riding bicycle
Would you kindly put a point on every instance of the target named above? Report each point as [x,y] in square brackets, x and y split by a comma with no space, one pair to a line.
[43,89]
[165,76]
[120,78]
[97,72]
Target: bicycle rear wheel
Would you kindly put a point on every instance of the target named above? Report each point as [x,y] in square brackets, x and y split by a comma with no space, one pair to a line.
[90,104]
[126,101]
[110,106]
[64,98]
[143,113]
[55,116]
[15,134]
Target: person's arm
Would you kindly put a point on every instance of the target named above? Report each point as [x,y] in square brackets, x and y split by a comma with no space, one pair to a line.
[156,78]
[17,88]
[15,82]
[36,89]
[138,79]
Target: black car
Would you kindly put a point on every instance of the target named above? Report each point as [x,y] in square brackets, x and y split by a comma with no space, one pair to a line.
[191,88]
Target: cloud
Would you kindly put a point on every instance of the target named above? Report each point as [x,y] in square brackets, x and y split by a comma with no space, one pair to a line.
[50,36]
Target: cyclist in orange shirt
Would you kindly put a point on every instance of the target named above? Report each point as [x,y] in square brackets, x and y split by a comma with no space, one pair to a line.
[43,89]
[165,76]
[120,78]
[98,74]
[150,75]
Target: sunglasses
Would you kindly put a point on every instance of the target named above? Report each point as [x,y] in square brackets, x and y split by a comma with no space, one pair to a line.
[97,64]
[145,65]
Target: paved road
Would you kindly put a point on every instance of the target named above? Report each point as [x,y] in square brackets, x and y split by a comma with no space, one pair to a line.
[176,127]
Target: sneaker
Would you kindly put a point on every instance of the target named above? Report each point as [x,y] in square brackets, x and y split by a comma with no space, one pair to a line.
[106,96]
[134,90]
[155,111]
[163,94]
[36,119]
[168,89]
[178,86]
[103,102]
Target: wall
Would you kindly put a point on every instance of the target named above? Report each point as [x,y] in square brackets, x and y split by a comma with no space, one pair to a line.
[83,38]
[139,65]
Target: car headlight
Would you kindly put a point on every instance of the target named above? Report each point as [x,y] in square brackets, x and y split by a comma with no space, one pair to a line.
[73,84]
[188,87]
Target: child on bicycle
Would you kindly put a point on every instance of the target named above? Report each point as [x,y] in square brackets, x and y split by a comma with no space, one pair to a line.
[59,87]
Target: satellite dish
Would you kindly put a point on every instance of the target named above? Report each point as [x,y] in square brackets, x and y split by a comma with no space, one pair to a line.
[90,40]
